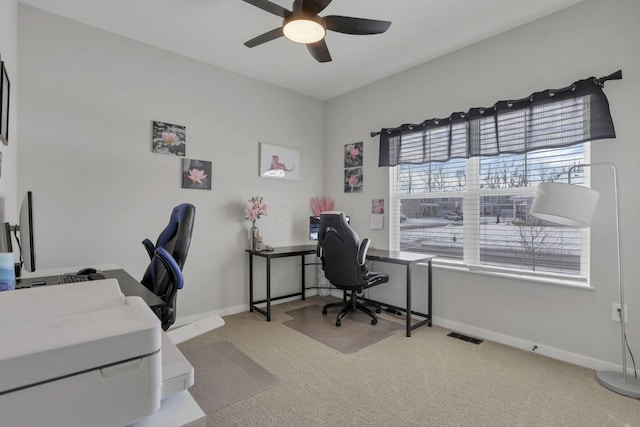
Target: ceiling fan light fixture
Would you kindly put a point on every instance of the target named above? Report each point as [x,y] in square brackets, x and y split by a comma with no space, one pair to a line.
[305,29]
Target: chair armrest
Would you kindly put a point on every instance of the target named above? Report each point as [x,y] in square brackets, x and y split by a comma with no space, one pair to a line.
[362,251]
[150,247]
[172,267]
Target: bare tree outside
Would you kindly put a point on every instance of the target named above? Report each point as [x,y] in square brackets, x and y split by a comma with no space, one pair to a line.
[461,179]
[533,241]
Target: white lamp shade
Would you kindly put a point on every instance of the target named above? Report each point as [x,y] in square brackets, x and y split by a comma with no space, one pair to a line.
[565,204]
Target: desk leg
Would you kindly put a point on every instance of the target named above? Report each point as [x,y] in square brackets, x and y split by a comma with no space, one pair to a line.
[268,289]
[250,282]
[429,292]
[408,300]
[303,282]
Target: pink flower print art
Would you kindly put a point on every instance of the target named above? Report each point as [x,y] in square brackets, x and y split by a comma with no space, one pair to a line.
[353,180]
[168,139]
[353,155]
[196,174]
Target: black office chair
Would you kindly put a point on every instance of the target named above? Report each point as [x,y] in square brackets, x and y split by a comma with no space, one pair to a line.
[163,276]
[343,261]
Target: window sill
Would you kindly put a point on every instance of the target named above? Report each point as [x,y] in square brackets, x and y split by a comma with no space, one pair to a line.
[547,280]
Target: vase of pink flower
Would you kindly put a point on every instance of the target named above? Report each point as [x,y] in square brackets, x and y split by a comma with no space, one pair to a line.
[256,208]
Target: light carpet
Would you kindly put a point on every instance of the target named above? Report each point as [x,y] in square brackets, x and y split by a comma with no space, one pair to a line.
[224,375]
[356,331]
[427,380]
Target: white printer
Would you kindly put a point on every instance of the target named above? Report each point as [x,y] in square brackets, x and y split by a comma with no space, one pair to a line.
[82,354]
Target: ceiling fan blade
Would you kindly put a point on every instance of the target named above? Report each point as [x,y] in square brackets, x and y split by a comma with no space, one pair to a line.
[319,51]
[314,6]
[266,37]
[270,7]
[358,26]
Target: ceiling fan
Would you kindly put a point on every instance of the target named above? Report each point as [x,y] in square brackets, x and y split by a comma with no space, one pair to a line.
[302,24]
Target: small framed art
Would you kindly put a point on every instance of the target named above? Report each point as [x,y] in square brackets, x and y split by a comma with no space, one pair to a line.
[279,162]
[353,155]
[196,174]
[169,139]
[4,104]
[353,180]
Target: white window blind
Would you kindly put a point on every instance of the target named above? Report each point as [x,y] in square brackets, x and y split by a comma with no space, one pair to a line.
[461,187]
[476,212]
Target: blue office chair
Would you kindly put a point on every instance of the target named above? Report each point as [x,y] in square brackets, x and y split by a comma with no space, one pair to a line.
[343,261]
[164,276]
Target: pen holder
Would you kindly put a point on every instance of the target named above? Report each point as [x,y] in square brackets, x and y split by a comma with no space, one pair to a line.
[7,272]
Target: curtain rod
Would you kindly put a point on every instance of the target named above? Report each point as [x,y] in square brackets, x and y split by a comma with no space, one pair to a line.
[617,75]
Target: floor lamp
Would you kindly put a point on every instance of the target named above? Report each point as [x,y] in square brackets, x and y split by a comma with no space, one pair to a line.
[574,205]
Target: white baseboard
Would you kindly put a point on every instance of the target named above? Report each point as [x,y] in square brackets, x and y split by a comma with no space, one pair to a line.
[228,311]
[554,353]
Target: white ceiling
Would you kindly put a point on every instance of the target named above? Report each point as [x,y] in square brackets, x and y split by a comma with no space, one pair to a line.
[214,31]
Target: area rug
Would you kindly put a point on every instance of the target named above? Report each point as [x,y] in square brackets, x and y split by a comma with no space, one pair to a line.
[356,331]
[224,375]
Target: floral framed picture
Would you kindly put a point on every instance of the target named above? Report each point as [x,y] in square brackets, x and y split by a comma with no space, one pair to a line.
[169,139]
[353,155]
[196,174]
[4,104]
[353,180]
[279,162]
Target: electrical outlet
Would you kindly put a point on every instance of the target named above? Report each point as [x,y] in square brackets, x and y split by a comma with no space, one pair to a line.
[615,316]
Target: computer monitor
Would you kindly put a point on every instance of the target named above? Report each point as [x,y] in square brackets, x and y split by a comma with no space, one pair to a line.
[5,238]
[27,244]
[26,240]
[314,226]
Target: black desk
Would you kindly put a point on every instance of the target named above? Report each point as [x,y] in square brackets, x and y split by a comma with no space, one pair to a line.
[282,252]
[408,259]
[128,285]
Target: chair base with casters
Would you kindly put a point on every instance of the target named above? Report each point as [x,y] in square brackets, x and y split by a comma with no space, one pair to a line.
[352,304]
[350,301]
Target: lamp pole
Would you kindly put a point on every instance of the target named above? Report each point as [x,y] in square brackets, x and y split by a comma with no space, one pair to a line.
[613,380]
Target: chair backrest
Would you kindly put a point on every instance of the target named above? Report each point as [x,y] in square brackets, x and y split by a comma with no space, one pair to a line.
[339,249]
[175,239]
[176,236]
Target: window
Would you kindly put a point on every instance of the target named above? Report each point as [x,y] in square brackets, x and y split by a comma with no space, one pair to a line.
[476,212]
[461,187]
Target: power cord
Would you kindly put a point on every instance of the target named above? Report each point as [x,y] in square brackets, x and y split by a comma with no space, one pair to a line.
[15,234]
[626,343]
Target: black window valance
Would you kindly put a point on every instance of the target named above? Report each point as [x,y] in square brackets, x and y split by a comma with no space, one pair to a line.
[546,119]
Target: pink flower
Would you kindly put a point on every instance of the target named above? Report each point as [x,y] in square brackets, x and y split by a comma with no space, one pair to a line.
[197,175]
[256,208]
[169,137]
[354,153]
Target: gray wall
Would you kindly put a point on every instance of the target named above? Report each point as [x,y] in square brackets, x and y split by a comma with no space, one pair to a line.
[9,54]
[88,99]
[592,38]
